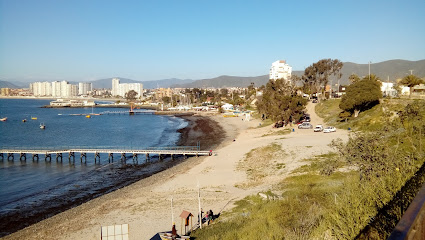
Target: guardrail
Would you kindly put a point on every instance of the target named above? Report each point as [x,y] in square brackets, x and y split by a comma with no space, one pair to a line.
[412,224]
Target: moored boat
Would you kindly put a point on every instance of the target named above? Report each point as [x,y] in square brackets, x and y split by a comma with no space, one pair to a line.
[33,118]
[42,126]
[3,119]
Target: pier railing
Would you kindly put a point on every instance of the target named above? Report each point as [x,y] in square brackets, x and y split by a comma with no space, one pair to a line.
[124,148]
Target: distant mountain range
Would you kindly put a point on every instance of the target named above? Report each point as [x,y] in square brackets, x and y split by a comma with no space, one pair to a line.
[226,81]
[394,69]
[6,84]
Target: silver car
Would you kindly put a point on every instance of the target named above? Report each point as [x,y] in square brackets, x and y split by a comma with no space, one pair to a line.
[305,125]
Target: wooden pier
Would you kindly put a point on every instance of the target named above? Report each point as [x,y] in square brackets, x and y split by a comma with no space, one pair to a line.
[9,154]
[133,112]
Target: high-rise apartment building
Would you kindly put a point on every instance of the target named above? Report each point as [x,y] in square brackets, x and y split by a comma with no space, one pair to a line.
[120,89]
[41,89]
[280,70]
[84,88]
[115,86]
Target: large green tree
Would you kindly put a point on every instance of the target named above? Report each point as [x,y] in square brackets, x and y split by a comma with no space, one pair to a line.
[280,102]
[316,76]
[131,95]
[353,78]
[361,95]
[411,81]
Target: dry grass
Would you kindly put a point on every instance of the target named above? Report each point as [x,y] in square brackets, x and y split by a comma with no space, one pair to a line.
[260,163]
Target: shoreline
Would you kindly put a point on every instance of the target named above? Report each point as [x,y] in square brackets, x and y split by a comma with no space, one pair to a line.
[145,205]
[194,131]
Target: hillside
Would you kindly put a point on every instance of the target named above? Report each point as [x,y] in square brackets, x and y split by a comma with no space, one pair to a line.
[5,84]
[394,69]
[226,81]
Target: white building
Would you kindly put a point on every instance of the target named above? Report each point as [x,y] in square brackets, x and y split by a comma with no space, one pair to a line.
[115,86]
[41,89]
[64,89]
[280,70]
[55,89]
[120,89]
[84,88]
[387,89]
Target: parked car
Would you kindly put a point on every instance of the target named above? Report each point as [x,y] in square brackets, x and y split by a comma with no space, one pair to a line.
[305,125]
[329,129]
[315,101]
[318,128]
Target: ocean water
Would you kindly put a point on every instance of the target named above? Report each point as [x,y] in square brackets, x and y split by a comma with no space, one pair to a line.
[32,190]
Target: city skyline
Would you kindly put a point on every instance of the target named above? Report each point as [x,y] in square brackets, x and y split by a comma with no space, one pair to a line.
[85,41]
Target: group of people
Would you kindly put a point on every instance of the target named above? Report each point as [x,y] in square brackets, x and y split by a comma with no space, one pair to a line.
[209,216]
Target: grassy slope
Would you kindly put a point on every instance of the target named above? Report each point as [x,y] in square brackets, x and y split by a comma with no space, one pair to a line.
[321,200]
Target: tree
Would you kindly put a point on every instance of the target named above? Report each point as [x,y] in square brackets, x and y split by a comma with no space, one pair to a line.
[371,77]
[280,102]
[353,78]
[317,75]
[411,81]
[131,95]
[361,95]
[166,100]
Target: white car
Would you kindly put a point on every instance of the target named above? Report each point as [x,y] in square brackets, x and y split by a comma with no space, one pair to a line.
[329,129]
[318,128]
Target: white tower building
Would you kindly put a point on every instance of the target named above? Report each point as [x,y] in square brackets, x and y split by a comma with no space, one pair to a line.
[84,88]
[115,86]
[280,70]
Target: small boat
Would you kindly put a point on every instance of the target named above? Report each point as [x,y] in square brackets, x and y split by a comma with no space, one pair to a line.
[33,118]
[42,126]
[3,119]
[88,116]
[24,120]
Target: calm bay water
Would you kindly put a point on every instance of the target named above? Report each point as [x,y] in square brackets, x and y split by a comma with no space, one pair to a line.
[30,188]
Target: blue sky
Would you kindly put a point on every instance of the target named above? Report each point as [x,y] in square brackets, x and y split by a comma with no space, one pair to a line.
[83,40]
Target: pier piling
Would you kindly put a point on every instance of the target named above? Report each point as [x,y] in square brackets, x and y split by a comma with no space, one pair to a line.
[47,156]
[58,155]
[2,157]
[110,157]
[96,157]
[22,157]
[135,160]
[85,157]
[10,157]
[34,156]
[71,155]
[147,157]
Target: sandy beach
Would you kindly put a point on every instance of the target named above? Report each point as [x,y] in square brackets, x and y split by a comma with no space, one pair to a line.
[145,205]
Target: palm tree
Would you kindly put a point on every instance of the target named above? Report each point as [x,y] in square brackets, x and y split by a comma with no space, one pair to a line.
[372,77]
[411,81]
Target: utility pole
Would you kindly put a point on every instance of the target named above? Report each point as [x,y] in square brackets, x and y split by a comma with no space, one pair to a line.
[199,205]
[411,72]
[369,70]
